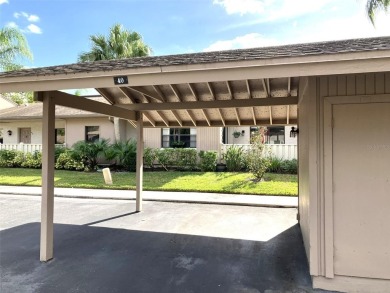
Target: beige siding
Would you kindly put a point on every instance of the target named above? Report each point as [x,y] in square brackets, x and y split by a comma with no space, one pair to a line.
[152,137]
[312,181]
[75,129]
[208,138]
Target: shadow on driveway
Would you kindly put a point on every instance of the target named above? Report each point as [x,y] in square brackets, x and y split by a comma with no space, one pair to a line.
[97,259]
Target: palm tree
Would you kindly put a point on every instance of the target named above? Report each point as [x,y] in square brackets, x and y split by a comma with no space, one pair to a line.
[374,5]
[13,48]
[119,44]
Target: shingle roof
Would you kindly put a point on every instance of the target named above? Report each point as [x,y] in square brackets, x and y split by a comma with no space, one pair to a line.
[321,48]
[34,111]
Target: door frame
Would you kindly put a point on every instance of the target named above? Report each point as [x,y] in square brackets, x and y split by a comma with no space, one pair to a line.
[20,134]
[329,102]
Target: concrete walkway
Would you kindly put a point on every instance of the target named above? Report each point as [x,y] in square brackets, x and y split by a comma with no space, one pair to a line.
[163,196]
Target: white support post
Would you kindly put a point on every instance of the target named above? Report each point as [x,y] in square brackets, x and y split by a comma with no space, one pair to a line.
[47,200]
[140,161]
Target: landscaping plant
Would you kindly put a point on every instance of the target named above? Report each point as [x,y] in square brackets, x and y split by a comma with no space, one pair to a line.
[234,158]
[208,160]
[258,161]
[89,152]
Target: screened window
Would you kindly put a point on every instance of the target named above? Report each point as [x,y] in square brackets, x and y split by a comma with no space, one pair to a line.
[179,137]
[275,135]
[60,135]
[91,133]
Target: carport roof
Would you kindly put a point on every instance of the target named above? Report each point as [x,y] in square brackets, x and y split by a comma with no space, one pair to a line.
[296,50]
[257,86]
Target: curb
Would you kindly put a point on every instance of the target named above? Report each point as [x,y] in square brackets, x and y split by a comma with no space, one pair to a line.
[161,200]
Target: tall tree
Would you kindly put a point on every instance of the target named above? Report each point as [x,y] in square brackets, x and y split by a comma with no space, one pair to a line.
[13,49]
[119,44]
[373,6]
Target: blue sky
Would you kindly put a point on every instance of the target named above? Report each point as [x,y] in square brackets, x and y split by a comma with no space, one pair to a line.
[58,30]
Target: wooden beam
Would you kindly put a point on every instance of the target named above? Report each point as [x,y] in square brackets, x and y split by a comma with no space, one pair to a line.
[192,117]
[211,91]
[151,120]
[229,89]
[177,118]
[267,94]
[288,114]
[237,103]
[160,93]
[254,116]
[205,117]
[132,123]
[146,92]
[71,101]
[270,115]
[176,92]
[289,87]
[222,119]
[238,116]
[192,89]
[140,162]
[163,118]
[128,94]
[248,88]
[110,99]
[47,200]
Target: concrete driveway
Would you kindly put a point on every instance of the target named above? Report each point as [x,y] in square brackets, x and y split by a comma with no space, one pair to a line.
[102,246]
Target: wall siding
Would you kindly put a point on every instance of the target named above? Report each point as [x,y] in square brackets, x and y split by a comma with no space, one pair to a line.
[152,137]
[208,138]
[321,87]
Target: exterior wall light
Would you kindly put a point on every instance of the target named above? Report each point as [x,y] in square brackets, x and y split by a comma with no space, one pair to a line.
[294,131]
[243,133]
[9,132]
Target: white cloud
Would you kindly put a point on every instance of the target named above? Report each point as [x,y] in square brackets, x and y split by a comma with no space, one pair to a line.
[241,6]
[270,10]
[32,28]
[4,2]
[246,41]
[33,18]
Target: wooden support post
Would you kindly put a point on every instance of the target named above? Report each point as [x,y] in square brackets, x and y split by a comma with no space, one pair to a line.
[47,200]
[140,161]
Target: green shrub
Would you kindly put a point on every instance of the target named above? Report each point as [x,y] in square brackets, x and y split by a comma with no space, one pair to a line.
[283,166]
[89,152]
[58,150]
[258,161]
[18,160]
[234,158]
[6,158]
[129,162]
[275,165]
[150,157]
[66,161]
[123,152]
[185,159]
[33,160]
[165,157]
[208,160]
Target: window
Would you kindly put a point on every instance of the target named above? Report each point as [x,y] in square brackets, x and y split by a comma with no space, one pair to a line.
[59,135]
[179,137]
[91,133]
[275,135]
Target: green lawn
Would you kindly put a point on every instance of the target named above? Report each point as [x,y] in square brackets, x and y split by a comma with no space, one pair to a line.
[274,184]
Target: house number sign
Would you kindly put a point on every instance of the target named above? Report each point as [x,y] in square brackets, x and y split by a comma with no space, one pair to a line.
[120,80]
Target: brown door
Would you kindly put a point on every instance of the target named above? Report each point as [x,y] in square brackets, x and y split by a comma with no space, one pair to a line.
[25,135]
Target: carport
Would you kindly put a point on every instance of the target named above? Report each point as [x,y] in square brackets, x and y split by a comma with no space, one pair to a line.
[260,86]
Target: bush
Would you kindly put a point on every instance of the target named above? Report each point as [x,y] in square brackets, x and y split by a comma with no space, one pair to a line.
[7,158]
[150,157]
[89,152]
[33,160]
[129,162]
[165,157]
[208,160]
[185,159]
[123,152]
[66,161]
[283,166]
[258,161]
[234,158]
[58,150]
[275,165]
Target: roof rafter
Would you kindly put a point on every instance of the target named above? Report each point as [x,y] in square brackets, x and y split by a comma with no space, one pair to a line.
[270,114]
[127,93]
[163,118]
[220,114]
[177,117]
[211,91]
[288,114]
[238,116]
[206,117]
[146,92]
[159,92]
[106,95]
[289,87]
[229,89]
[266,90]
[175,91]
[192,89]
[151,120]
[192,117]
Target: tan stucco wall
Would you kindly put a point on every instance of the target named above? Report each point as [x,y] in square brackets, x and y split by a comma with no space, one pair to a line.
[36,130]
[75,129]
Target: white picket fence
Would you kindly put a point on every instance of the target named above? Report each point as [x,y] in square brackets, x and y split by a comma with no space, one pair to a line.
[281,151]
[24,147]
